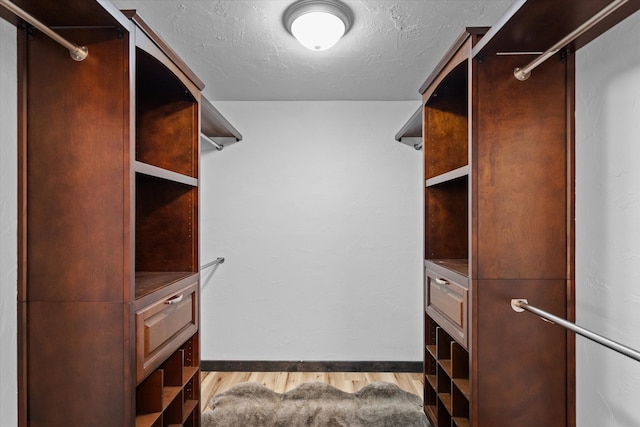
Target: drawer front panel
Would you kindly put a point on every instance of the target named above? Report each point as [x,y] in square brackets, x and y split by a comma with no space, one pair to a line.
[446,302]
[163,326]
[159,327]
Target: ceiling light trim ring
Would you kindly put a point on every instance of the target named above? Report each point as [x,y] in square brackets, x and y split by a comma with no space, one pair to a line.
[333,7]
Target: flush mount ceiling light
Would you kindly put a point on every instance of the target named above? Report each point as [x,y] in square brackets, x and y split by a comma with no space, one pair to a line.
[318,24]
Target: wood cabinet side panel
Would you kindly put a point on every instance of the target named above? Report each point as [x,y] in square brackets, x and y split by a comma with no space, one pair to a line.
[78,373]
[520,371]
[521,171]
[571,240]
[77,169]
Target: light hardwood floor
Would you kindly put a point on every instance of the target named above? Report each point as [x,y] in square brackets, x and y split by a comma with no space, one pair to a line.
[217,382]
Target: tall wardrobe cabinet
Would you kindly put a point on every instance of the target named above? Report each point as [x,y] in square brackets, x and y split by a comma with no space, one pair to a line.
[108,297]
[497,199]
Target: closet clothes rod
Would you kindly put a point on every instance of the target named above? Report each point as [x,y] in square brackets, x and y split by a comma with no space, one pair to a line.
[523,73]
[520,305]
[210,141]
[218,260]
[78,53]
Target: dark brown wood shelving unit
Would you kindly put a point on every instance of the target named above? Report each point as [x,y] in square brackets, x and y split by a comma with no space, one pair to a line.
[108,296]
[499,219]
[489,236]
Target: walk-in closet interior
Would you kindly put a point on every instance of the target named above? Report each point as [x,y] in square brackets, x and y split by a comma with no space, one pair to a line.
[159,224]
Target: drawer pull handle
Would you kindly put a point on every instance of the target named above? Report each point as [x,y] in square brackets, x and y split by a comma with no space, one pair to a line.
[442,281]
[174,300]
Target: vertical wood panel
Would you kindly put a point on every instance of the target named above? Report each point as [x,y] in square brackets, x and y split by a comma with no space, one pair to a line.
[77,172]
[61,384]
[521,171]
[520,357]
[571,239]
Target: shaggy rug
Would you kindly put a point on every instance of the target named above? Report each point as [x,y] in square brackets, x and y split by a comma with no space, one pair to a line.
[316,404]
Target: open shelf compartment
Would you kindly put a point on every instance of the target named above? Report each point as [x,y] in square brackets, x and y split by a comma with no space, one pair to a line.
[446,125]
[446,211]
[166,232]
[167,131]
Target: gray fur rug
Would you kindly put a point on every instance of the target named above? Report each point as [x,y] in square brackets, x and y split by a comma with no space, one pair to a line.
[316,404]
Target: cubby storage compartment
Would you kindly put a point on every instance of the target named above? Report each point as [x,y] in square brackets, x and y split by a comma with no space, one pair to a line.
[459,407]
[459,385]
[170,394]
[430,367]
[431,402]
[443,344]
[446,373]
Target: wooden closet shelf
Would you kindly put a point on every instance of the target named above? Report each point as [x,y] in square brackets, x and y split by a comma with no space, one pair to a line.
[458,173]
[148,282]
[154,171]
[463,386]
[460,266]
[446,365]
[432,349]
[445,398]
[461,422]
[147,420]
[432,379]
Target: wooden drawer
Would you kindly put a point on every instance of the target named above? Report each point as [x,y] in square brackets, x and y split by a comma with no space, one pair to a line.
[446,302]
[163,326]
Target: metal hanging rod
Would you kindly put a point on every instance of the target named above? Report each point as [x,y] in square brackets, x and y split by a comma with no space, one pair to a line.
[218,147]
[413,141]
[520,305]
[216,261]
[78,53]
[523,73]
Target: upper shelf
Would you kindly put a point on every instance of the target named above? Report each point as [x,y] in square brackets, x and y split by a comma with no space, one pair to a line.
[215,127]
[454,56]
[153,42]
[533,26]
[411,132]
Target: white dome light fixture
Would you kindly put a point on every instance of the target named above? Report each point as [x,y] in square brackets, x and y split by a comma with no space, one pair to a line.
[318,24]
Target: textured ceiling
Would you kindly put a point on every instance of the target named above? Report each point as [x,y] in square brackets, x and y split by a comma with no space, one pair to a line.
[241,50]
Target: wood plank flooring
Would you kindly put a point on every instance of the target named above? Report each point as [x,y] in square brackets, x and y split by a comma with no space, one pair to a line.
[217,382]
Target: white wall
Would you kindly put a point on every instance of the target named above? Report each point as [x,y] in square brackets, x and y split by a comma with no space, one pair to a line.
[317,212]
[8,226]
[608,224]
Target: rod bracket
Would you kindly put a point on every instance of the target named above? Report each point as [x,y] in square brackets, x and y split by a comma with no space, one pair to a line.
[79,53]
[515,304]
[521,74]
